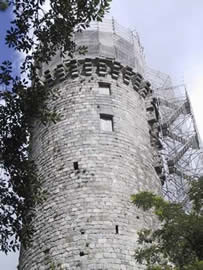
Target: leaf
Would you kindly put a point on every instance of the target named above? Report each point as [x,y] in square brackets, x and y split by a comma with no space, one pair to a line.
[179,239]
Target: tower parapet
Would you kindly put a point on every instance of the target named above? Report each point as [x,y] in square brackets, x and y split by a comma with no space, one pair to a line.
[101,67]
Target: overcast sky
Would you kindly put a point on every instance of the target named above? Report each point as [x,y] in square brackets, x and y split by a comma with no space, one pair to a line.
[171,32]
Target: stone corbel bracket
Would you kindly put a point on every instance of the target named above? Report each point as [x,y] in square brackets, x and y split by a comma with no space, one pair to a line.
[154,130]
[101,67]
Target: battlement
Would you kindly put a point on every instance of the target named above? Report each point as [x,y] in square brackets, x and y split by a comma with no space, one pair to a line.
[101,67]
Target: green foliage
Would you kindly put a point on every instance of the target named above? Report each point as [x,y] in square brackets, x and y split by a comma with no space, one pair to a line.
[20,188]
[53,266]
[39,34]
[196,196]
[178,242]
[3,5]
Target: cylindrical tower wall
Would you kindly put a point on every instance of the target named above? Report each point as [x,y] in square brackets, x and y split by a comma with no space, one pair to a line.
[91,162]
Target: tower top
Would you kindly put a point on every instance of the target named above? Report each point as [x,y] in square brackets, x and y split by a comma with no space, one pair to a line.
[109,40]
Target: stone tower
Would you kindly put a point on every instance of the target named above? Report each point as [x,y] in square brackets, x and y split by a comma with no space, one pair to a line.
[94,158]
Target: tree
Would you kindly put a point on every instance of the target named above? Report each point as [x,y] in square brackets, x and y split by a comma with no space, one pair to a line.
[39,34]
[3,5]
[178,242]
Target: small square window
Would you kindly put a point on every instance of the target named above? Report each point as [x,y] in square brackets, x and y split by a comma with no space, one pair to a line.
[104,88]
[106,122]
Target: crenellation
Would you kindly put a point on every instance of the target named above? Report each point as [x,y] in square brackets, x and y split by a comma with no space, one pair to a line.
[88,68]
[48,78]
[127,74]
[98,66]
[74,69]
[60,73]
[154,131]
[115,70]
[102,67]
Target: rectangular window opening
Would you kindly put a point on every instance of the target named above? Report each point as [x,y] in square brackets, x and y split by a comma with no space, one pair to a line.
[75,165]
[104,88]
[117,231]
[106,122]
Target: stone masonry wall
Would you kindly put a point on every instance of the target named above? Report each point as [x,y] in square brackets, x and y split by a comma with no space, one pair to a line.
[88,221]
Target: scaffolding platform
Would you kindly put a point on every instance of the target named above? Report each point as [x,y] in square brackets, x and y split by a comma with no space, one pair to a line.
[181,152]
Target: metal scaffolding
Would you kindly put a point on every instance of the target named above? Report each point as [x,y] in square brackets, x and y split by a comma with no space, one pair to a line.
[181,151]
[179,155]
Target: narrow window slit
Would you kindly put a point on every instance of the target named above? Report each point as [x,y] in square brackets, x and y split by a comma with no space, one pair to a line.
[82,231]
[82,253]
[75,165]
[117,231]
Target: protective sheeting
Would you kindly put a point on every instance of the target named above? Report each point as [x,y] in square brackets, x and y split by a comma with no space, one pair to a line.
[161,83]
[109,39]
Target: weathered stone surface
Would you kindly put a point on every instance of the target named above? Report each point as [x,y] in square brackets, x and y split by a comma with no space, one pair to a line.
[88,221]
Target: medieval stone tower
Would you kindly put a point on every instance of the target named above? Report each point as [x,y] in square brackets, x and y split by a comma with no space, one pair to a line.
[94,158]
